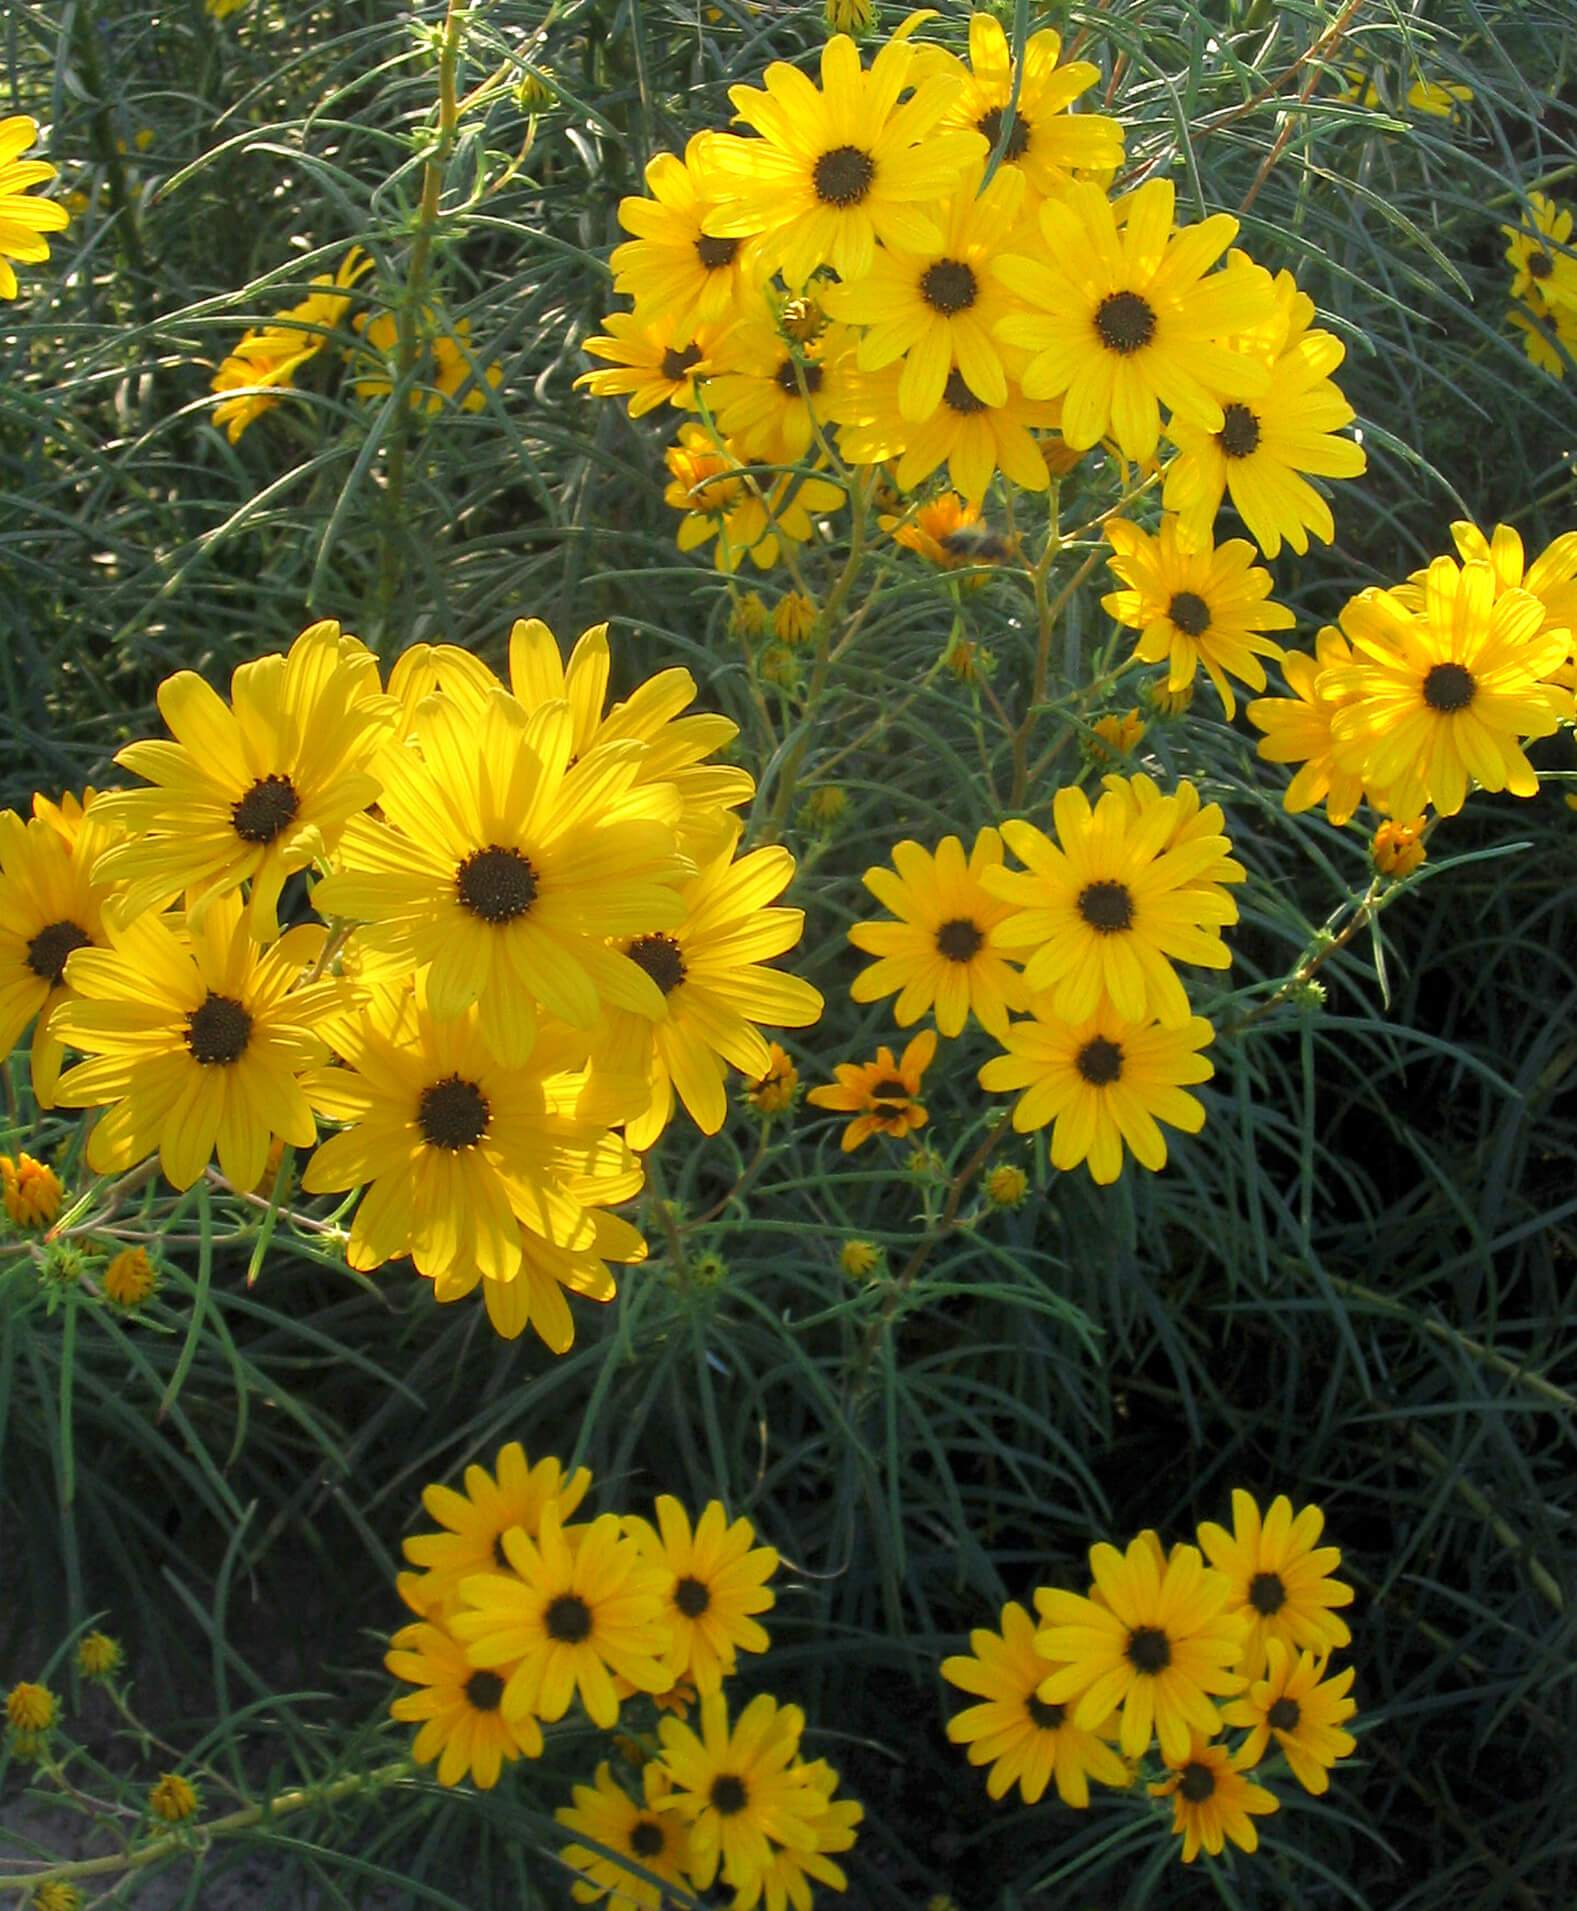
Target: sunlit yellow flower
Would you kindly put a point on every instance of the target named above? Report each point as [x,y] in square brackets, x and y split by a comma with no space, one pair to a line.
[1279,1577]
[476,1520]
[458,1708]
[1211,1799]
[1298,729]
[655,361]
[949,532]
[747,512]
[717,1581]
[130,1278]
[1549,335]
[769,397]
[444,364]
[1302,1710]
[23,219]
[787,1876]
[880,1095]
[254,375]
[671,267]
[1539,252]
[656,1840]
[1116,735]
[1398,847]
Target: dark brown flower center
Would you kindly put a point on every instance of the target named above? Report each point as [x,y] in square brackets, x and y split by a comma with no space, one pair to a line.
[1284,1715]
[483,1690]
[843,176]
[1047,1717]
[266,810]
[1124,322]
[47,952]
[662,960]
[568,1619]
[890,1090]
[647,1838]
[453,1114]
[218,1030]
[1149,1649]
[1540,265]
[957,396]
[948,286]
[787,378]
[714,254]
[1239,433]
[1191,614]
[691,1597]
[990,123]
[1107,907]
[1449,687]
[498,885]
[728,1794]
[677,361]
[1266,1593]
[959,940]
[1100,1062]
[1197,1783]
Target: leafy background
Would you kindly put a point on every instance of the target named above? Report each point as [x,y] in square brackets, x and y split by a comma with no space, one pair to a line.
[1355,1286]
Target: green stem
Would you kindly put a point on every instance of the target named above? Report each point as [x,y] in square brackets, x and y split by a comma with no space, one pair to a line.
[128,230]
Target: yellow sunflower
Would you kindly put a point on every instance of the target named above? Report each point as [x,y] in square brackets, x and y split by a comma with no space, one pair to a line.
[1279,1577]
[671,267]
[444,367]
[23,220]
[1122,319]
[253,377]
[1208,606]
[1048,143]
[567,1619]
[1270,441]
[1540,254]
[458,1708]
[199,1040]
[711,969]
[1158,1643]
[717,1581]
[742,1792]
[1551,577]
[747,512]
[49,906]
[839,169]
[882,1095]
[1437,696]
[655,361]
[252,791]
[769,396]
[1297,729]
[1025,1741]
[502,870]
[457,1151]
[1211,1799]
[1300,1708]
[787,1876]
[938,954]
[536,1295]
[1106,1083]
[641,1831]
[476,1520]
[1108,912]
[1549,335]
[935,307]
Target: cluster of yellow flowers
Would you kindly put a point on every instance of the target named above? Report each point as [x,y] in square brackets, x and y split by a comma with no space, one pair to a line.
[265,363]
[523,1608]
[540,933]
[24,218]
[1088,1685]
[1544,283]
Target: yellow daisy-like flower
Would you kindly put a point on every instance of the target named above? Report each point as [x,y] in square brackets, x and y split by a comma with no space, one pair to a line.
[501,870]
[769,396]
[711,969]
[130,1278]
[717,1581]
[787,1876]
[1158,1644]
[938,954]
[253,378]
[1271,440]
[1302,1710]
[837,169]
[656,361]
[30,1707]
[935,307]
[1549,335]
[444,366]
[1279,1578]
[56,1897]
[1540,253]
[536,1295]
[1108,912]
[1105,1083]
[568,1619]
[98,1655]
[458,1151]
[1025,1741]
[476,1520]
[742,1792]
[1006,1185]
[973,439]
[745,511]
[199,1039]
[458,1708]
[252,791]
[1116,735]
[1551,577]
[1047,143]
[672,268]
[1211,1799]
[794,617]
[950,533]
[23,219]
[50,906]
[307,326]
[1122,319]
[1450,692]
[859,1258]
[1209,606]
[1398,848]
[641,1831]
[1298,730]
[173,1798]
[882,1095]
[773,1092]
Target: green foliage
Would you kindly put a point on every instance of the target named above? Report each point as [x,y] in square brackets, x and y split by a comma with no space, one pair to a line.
[1353,1287]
